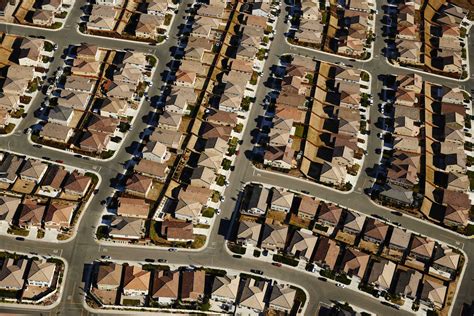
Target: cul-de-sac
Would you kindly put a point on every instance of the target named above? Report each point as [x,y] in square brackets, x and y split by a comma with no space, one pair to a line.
[237,157]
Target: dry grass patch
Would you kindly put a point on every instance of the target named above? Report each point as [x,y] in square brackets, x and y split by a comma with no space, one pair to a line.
[346,238]
[369,246]
[299,222]
[276,216]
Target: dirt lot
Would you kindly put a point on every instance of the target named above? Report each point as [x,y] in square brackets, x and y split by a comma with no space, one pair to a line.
[21,186]
[277,216]
[155,191]
[297,221]
[369,246]
[345,238]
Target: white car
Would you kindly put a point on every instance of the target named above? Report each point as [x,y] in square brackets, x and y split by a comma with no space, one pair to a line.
[218,211]
[340,285]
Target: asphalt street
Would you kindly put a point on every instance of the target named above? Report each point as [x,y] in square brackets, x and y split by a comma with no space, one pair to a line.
[84,249]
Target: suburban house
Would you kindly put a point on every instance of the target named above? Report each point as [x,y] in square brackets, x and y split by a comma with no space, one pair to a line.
[132,207]
[282,298]
[139,185]
[165,287]
[381,274]
[421,248]
[256,200]
[77,184]
[59,215]
[12,274]
[225,288]
[52,181]
[326,253]
[274,237]
[354,263]
[253,295]
[375,231]
[179,231]
[192,285]
[248,233]
[281,200]
[433,292]
[302,244]
[308,207]
[136,282]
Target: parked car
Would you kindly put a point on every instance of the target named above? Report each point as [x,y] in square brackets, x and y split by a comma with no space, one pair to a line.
[340,285]
[237,256]
[20,238]
[276,264]
[105,257]
[162,260]
[173,249]
[322,279]
[149,260]
[259,272]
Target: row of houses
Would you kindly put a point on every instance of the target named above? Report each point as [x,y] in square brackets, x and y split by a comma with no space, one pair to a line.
[25,279]
[350,25]
[114,283]
[446,187]
[405,163]
[142,20]
[217,131]
[311,27]
[94,98]
[344,241]
[442,47]
[319,104]
[40,194]
[47,13]
[23,65]
[136,204]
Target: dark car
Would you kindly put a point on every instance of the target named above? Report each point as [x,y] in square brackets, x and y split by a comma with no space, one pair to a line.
[162,260]
[259,272]
[237,256]
[322,279]
[305,192]
[149,260]
[20,238]
[396,213]
[276,264]
[37,146]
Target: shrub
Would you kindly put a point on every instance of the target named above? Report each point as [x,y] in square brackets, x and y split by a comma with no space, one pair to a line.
[285,260]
